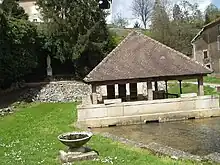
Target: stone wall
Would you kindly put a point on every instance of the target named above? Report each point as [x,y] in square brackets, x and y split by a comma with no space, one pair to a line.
[61,91]
[126,113]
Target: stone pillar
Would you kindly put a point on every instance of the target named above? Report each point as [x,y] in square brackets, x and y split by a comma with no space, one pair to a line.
[200,87]
[49,68]
[94,95]
[156,86]
[180,83]
[149,90]
[128,93]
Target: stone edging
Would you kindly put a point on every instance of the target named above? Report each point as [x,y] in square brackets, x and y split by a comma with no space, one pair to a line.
[164,150]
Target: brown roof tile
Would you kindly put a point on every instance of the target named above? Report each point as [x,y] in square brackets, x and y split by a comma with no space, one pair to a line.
[139,56]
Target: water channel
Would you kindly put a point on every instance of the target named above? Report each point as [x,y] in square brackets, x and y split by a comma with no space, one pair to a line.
[199,137]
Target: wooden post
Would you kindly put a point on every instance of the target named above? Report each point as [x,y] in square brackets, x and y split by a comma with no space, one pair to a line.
[166,95]
[200,86]
[149,90]
[122,91]
[110,91]
[180,83]
[94,95]
[156,86]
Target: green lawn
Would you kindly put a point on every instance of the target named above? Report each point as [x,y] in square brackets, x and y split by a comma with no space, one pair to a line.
[30,137]
[207,79]
[189,88]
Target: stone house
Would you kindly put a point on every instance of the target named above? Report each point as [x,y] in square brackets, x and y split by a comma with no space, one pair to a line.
[206,46]
[31,9]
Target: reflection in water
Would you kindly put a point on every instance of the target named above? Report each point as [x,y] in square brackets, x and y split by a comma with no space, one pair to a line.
[200,137]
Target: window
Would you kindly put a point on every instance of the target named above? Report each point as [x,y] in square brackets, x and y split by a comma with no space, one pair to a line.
[208,66]
[205,54]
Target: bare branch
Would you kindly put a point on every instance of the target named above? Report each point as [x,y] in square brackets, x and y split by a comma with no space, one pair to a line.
[142,9]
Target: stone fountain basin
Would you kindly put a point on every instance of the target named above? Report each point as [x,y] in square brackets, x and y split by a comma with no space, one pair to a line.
[75,139]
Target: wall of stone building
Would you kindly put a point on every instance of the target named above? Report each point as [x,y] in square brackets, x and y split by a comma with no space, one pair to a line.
[214,57]
[208,41]
[31,9]
[200,45]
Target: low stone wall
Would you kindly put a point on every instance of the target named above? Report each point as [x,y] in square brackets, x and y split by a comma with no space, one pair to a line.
[58,91]
[102,115]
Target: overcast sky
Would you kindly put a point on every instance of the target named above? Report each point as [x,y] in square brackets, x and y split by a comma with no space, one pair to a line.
[124,8]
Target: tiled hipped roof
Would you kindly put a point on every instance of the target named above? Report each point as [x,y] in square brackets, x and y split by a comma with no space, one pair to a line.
[139,56]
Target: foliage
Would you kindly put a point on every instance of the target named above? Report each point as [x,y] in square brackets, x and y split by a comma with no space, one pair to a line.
[160,23]
[119,21]
[176,31]
[11,8]
[17,49]
[76,31]
[211,13]
[30,137]
[74,27]
[142,9]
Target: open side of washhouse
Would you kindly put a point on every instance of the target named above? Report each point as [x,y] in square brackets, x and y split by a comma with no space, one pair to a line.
[141,59]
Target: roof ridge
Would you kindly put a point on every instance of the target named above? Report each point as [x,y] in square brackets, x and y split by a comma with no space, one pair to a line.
[177,52]
[110,54]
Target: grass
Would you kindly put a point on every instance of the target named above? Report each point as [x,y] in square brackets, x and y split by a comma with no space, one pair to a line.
[213,80]
[30,137]
[207,79]
[190,88]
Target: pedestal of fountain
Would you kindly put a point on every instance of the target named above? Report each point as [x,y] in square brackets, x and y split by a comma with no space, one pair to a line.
[76,151]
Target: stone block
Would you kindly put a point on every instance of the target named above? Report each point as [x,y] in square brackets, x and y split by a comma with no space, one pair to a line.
[129,120]
[115,110]
[86,100]
[207,102]
[81,115]
[148,108]
[130,110]
[188,95]
[187,104]
[112,101]
[99,112]
[70,157]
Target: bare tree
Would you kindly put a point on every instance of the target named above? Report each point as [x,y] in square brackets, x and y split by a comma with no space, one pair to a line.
[120,21]
[142,9]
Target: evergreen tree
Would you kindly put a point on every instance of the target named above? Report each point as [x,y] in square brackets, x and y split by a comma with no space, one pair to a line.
[160,23]
[11,8]
[211,13]
[177,13]
[77,31]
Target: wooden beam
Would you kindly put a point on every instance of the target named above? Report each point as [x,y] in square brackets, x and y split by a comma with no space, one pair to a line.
[166,86]
[165,78]
[180,83]
[156,86]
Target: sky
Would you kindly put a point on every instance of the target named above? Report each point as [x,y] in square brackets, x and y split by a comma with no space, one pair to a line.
[124,8]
